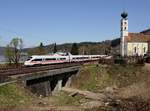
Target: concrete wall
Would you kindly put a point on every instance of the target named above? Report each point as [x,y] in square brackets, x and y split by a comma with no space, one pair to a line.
[49,85]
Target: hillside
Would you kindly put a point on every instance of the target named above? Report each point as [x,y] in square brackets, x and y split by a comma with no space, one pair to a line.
[104,47]
[97,87]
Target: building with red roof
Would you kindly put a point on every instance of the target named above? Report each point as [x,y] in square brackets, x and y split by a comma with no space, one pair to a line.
[133,44]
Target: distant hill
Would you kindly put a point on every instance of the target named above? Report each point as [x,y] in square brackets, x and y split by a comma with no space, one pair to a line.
[104,47]
[2,50]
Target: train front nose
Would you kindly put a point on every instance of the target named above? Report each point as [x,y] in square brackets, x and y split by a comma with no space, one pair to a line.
[27,63]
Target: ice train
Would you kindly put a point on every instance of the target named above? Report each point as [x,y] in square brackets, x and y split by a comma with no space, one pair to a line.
[59,58]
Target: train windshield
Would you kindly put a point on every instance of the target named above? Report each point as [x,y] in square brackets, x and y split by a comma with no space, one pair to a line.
[29,58]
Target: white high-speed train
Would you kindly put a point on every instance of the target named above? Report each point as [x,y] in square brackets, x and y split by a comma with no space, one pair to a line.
[59,58]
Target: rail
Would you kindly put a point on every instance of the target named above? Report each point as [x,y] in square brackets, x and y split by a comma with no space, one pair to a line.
[25,70]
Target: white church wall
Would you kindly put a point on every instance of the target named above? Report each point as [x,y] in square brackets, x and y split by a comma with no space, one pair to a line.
[137,48]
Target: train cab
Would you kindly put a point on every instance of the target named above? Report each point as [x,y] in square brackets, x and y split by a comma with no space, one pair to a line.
[43,60]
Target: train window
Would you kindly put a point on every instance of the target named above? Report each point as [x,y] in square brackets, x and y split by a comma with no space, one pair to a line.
[94,57]
[29,58]
[37,60]
[62,58]
[47,59]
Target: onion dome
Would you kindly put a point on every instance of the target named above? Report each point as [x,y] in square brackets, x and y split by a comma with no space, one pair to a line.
[124,15]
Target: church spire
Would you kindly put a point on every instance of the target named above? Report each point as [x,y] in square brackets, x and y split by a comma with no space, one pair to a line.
[124,15]
[124,32]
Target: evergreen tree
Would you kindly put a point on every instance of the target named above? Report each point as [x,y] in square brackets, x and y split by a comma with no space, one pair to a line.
[41,49]
[74,49]
[41,45]
[115,42]
[55,48]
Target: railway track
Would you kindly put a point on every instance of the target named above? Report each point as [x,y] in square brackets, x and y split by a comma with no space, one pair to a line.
[25,70]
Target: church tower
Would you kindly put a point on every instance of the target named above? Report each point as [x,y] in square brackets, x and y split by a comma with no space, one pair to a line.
[124,34]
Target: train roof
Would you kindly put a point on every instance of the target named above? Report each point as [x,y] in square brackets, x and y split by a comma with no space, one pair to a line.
[47,56]
[57,56]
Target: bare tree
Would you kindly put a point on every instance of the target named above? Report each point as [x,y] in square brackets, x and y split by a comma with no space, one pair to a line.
[13,50]
[8,54]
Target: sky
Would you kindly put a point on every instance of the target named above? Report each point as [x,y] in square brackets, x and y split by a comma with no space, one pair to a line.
[64,21]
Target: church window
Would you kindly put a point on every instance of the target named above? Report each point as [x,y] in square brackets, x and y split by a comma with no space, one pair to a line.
[144,49]
[125,28]
[125,23]
[135,49]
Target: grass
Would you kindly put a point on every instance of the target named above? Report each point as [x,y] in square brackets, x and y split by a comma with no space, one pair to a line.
[13,95]
[86,78]
[132,82]
[93,78]
[97,77]
[63,98]
[123,76]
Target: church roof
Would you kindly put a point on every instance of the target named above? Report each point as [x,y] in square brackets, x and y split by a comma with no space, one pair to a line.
[138,37]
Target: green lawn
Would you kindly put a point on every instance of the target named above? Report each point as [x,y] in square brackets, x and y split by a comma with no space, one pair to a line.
[13,95]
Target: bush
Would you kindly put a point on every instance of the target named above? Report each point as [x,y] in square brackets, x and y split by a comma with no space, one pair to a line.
[120,61]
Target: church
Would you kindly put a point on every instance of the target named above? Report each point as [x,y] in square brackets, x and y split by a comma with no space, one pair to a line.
[133,44]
